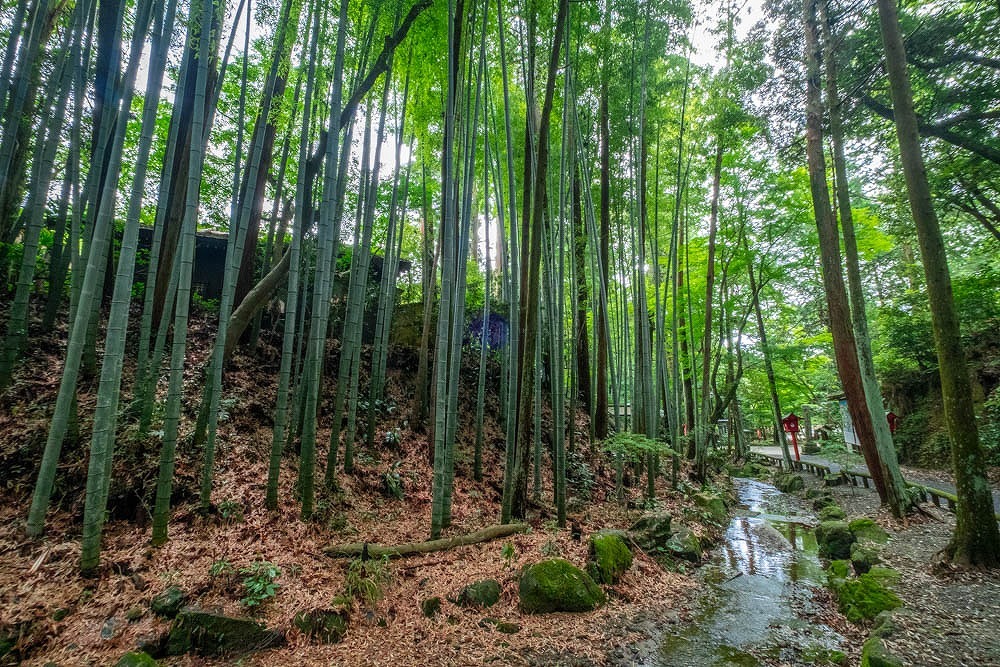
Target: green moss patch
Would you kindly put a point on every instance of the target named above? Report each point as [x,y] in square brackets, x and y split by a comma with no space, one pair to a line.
[865,598]
[866,529]
[610,558]
[557,585]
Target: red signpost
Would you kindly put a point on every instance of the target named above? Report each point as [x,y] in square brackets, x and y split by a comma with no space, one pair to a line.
[791,425]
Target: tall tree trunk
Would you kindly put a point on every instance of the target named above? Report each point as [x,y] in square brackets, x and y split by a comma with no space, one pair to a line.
[976,540]
[829,245]
[897,498]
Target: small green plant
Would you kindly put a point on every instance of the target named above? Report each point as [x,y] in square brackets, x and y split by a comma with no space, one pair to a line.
[392,438]
[366,579]
[633,447]
[231,511]
[392,483]
[204,305]
[259,583]
[551,549]
[508,554]
[220,568]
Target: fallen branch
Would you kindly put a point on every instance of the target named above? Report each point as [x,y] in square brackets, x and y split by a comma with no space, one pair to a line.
[377,551]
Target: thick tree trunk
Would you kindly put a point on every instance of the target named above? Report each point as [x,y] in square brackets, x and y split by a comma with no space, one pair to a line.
[976,540]
[844,347]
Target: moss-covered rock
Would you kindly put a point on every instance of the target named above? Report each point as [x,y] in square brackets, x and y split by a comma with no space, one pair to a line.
[832,513]
[875,654]
[214,634]
[485,593]
[835,539]
[789,482]
[324,625]
[431,606]
[136,659]
[505,627]
[863,557]
[685,544]
[651,532]
[840,569]
[865,598]
[712,504]
[823,501]
[866,529]
[169,602]
[814,493]
[558,585]
[886,575]
[610,558]
[884,625]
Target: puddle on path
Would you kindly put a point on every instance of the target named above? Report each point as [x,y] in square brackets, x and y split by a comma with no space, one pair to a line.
[758,585]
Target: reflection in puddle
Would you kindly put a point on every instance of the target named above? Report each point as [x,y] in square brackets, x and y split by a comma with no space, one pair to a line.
[764,571]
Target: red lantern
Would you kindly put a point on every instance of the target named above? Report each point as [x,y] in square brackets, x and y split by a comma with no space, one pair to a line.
[791,425]
[893,420]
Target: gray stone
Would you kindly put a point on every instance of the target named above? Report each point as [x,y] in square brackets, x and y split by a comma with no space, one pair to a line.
[651,532]
[431,606]
[215,634]
[685,544]
[169,602]
[485,593]
[325,625]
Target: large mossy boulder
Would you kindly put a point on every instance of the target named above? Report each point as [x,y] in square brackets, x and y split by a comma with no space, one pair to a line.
[169,602]
[866,529]
[558,585]
[610,557]
[485,593]
[685,544]
[324,625]
[651,532]
[215,634]
[136,659]
[865,598]
[835,539]
[712,504]
[789,482]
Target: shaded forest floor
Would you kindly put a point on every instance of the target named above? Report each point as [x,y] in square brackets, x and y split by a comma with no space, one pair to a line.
[55,616]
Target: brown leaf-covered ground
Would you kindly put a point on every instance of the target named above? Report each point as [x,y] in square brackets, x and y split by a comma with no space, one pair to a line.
[63,618]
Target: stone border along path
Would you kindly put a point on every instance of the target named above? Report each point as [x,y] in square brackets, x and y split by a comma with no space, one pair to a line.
[937,488]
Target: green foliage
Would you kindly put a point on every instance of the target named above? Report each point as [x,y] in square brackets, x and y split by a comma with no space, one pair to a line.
[366,579]
[550,549]
[221,568]
[989,428]
[392,483]
[508,553]
[231,510]
[200,303]
[579,474]
[633,447]
[259,583]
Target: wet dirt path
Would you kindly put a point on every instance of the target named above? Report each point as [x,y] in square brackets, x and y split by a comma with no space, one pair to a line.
[758,591]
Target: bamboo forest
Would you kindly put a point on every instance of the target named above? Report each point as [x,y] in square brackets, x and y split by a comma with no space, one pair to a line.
[517,332]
